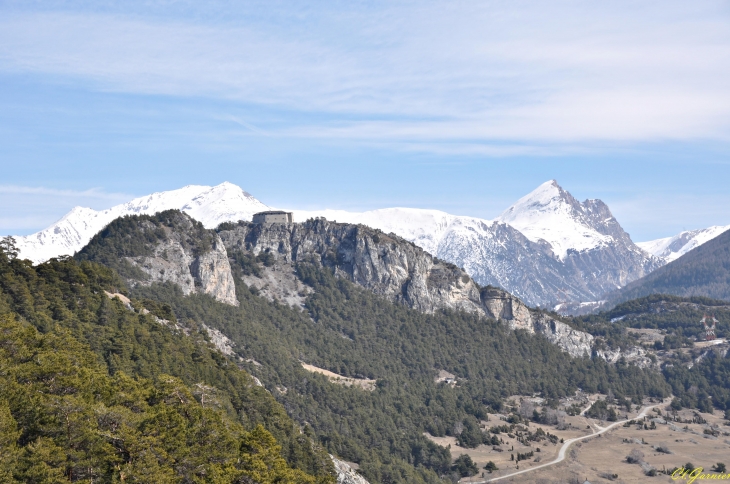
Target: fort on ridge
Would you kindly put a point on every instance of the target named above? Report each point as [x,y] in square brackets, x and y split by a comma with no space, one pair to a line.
[272,217]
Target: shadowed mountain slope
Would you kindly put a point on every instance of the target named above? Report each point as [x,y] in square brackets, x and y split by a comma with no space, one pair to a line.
[704,271]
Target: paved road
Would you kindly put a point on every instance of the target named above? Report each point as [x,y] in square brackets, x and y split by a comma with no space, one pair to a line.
[569,442]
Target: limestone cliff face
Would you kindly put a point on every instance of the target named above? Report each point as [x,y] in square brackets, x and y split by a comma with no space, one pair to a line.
[176,259]
[384,264]
[212,273]
[346,474]
[398,270]
[168,262]
[502,305]
[167,247]
[576,343]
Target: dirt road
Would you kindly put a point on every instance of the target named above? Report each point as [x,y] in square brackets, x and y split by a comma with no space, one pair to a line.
[569,442]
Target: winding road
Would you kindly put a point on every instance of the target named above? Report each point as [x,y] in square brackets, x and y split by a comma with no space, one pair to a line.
[569,442]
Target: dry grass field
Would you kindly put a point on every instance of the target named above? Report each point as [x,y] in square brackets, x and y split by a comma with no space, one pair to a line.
[603,458]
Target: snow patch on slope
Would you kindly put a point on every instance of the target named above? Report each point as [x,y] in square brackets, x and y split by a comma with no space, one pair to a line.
[551,214]
[209,205]
[671,248]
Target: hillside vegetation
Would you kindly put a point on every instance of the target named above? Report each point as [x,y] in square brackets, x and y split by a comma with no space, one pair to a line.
[91,390]
[352,332]
[348,330]
[342,328]
[704,271]
[699,377]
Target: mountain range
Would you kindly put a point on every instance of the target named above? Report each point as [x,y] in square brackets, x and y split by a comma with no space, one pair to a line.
[547,248]
[669,249]
[209,205]
[349,327]
[703,271]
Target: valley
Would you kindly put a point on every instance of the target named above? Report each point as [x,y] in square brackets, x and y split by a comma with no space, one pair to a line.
[596,450]
[364,242]
[400,364]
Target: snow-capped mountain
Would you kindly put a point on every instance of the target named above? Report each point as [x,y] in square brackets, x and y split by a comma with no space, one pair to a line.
[546,248]
[670,248]
[551,214]
[209,205]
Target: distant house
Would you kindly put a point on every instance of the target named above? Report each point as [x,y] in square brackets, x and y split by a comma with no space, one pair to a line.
[272,217]
[709,330]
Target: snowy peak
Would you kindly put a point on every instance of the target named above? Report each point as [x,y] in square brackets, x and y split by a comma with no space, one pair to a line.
[670,248]
[209,205]
[549,193]
[551,214]
[222,203]
[516,251]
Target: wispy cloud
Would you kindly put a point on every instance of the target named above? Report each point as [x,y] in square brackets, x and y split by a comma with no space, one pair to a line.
[91,193]
[566,73]
[27,209]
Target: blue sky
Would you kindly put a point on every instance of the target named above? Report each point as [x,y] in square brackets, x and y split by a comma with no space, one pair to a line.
[459,106]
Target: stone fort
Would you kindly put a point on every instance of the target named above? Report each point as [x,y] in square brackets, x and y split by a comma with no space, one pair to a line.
[272,217]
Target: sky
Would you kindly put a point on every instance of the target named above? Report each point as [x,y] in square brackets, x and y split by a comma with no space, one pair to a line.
[459,106]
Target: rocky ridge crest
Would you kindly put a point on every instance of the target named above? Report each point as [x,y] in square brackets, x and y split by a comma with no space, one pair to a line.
[398,270]
[168,247]
[172,247]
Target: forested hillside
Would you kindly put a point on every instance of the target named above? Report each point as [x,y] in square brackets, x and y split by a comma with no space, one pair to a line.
[347,329]
[350,331]
[91,389]
[704,271]
[340,327]
[699,376]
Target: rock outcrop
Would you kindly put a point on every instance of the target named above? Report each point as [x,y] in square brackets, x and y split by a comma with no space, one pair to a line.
[576,343]
[167,247]
[172,247]
[503,306]
[634,355]
[208,272]
[346,474]
[398,270]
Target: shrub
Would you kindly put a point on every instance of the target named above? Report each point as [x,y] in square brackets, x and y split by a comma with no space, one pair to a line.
[635,457]
[465,466]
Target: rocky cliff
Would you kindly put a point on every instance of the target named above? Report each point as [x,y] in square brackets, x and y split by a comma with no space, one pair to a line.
[386,265]
[346,474]
[398,270]
[505,307]
[172,247]
[169,246]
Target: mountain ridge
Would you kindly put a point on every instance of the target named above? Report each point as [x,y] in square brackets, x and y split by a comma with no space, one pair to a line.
[703,271]
[148,249]
[209,205]
[578,253]
[671,248]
